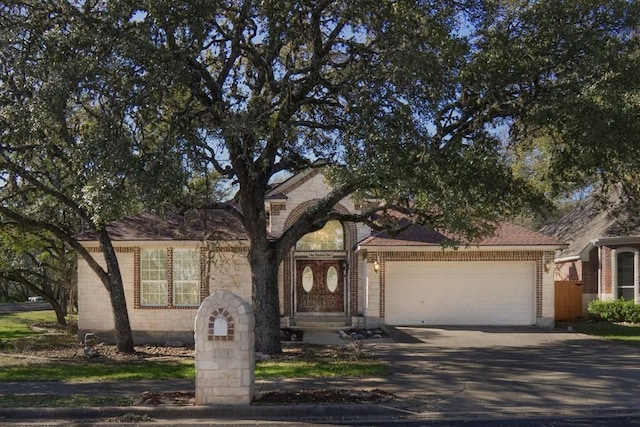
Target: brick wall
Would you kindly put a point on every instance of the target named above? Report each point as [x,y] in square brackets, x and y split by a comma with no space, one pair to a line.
[229,270]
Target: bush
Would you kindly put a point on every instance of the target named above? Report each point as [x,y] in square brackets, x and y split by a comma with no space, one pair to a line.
[615,311]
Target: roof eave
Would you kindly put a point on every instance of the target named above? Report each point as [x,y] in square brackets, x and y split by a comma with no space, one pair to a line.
[142,242]
[567,259]
[619,240]
[435,248]
[583,255]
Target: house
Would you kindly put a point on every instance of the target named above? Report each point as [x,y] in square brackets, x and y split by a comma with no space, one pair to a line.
[342,273]
[601,255]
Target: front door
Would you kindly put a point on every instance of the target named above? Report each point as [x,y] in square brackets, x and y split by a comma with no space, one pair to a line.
[319,286]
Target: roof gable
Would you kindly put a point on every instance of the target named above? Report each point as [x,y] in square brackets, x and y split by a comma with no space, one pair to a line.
[282,189]
[588,221]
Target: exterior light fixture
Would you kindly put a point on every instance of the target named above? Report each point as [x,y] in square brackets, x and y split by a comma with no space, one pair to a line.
[376,266]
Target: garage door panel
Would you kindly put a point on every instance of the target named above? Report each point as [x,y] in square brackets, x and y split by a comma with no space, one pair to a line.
[460,293]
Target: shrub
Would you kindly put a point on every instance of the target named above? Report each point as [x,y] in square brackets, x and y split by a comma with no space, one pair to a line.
[615,311]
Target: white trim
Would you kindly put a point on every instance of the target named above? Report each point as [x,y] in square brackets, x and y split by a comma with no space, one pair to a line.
[437,248]
[584,253]
[636,285]
[614,271]
[364,273]
[621,240]
[197,244]
[285,186]
[600,272]
[566,259]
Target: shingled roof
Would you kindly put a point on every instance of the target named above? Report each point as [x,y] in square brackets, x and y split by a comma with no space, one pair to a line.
[214,224]
[589,220]
[506,234]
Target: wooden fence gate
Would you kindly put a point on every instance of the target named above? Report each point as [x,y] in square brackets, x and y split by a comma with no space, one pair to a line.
[568,298]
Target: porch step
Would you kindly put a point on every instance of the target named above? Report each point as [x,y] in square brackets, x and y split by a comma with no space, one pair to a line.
[320,322]
[313,326]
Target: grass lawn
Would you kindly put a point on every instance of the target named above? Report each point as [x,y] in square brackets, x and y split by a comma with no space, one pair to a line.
[27,354]
[95,370]
[620,333]
[318,365]
[18,325]
[18,340]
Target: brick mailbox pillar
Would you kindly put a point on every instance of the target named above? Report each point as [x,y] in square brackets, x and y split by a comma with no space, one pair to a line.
[225,356]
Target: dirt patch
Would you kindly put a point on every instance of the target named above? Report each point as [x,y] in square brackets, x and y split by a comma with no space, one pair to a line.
[325,396]
[105,352]
[300,397]
[55,342]
[173,398]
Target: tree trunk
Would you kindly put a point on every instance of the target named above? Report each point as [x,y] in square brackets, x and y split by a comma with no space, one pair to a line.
[59,310]
[124,336]
[266,303]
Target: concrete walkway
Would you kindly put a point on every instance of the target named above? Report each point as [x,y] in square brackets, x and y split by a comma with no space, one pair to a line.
[436,373]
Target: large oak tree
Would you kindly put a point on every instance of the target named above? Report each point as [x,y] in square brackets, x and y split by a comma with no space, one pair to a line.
[400,101]
[74,151]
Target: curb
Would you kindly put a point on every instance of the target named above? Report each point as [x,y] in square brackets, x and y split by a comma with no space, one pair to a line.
[219,412]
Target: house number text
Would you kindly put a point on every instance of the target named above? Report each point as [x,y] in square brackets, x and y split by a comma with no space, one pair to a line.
[222,354]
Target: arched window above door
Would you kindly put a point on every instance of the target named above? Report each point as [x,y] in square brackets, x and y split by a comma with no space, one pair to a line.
[328,238]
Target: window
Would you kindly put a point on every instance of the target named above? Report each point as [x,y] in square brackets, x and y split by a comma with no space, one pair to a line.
[153,277]
[329,238]
[165,283]
[626,275]
[186,277]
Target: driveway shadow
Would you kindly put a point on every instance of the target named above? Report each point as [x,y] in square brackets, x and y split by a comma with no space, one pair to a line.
[489,369]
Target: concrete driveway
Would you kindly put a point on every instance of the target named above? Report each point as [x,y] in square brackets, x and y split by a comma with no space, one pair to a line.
[513,370]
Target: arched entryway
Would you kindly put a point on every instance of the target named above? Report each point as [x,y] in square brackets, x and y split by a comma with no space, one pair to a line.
[331,269]
[320,260]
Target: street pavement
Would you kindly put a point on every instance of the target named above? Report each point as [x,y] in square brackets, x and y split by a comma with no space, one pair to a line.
[439,375]
[24,306]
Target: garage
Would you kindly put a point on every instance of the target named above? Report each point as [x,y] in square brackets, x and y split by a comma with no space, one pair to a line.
[460,293]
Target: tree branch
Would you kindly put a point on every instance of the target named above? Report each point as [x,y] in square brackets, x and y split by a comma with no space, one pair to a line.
[24,222]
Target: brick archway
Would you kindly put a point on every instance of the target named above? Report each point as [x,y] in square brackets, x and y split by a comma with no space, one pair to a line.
[350,236]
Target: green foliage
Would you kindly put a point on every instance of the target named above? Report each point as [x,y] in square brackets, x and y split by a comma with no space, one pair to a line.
[17,325]
[584,130]
[616,311]
[17,336]
[38,263]
[160,370]
[624,334]
[108,107]
[99,371]
[321,368]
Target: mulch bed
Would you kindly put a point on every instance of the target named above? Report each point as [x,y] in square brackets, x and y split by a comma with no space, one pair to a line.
[301,397]
[325,396]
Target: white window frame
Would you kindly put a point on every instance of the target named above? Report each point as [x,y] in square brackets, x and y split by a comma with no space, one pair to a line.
[614,271]
[147,284]
[193,280]
[165,286]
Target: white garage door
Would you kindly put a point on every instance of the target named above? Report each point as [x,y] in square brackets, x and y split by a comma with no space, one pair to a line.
[460,293]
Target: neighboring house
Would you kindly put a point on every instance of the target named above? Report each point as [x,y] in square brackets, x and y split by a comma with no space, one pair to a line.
[601,255]
[343,273]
